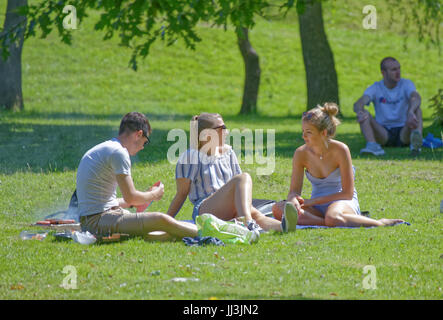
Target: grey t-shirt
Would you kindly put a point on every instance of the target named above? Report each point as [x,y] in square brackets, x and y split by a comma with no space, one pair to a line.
[97,176]
[391,105]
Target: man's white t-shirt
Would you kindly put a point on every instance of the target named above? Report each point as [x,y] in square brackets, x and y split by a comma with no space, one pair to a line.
[97,176]
[391,105]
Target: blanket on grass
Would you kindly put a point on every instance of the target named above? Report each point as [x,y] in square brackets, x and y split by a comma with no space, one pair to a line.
[323,227]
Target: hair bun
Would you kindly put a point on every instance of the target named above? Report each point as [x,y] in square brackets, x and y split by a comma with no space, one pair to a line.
[330,108]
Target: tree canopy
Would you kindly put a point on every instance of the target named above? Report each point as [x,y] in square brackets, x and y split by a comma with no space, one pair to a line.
[141,22]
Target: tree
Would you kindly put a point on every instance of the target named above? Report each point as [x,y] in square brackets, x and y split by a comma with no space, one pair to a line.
[321,77]
[252,73]
[12,36]
[139,23]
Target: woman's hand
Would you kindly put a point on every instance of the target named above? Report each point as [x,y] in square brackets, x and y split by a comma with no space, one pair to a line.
[300,199]
[307,203]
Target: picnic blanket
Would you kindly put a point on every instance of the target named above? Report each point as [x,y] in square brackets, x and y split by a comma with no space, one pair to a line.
[325,227]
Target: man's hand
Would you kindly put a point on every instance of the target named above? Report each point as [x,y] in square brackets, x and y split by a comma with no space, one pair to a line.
[157,191]
[362,115]
[412,121]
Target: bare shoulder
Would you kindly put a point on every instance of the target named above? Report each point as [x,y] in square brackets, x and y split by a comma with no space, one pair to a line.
[300,152]
[300,155]
[339,148]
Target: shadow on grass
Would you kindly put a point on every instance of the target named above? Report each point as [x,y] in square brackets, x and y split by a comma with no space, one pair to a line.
[78,116]
[59,147]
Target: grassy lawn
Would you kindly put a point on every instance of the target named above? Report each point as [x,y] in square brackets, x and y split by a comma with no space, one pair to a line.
[75,97]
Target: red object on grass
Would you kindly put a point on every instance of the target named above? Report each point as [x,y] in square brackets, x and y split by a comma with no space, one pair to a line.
[49,222]
[46,223]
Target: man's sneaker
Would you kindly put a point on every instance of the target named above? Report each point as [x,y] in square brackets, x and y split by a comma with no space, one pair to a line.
[416,142]
[373,148]
[252,225]
[290,218]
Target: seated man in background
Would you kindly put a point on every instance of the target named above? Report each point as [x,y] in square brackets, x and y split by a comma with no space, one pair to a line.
[398,117]
[106,166]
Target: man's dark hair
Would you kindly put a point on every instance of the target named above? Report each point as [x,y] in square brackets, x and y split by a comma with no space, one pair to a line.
[382,63]
[134,121]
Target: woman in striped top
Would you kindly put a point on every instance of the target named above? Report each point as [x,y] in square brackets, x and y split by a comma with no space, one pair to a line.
[212,178]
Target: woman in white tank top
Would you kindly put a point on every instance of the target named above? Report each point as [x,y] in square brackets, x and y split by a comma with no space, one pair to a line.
[328,166]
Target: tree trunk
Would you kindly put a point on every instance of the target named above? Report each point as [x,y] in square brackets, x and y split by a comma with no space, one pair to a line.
[252,73]
[321,77]
[11,70]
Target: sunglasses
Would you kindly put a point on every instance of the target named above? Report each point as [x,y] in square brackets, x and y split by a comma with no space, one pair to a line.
[147,142]
[307,115]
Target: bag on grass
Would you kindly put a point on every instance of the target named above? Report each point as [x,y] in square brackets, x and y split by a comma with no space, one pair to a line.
[229,232]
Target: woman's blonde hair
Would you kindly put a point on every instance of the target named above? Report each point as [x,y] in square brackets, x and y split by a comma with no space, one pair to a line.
[323,117]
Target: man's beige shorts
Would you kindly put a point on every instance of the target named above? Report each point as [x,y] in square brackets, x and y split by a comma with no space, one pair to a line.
[115,220]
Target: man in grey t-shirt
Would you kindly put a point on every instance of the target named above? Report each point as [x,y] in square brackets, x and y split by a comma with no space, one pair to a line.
[398,117]
[106,166]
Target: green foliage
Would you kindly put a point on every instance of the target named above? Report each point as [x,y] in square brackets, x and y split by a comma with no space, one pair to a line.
[76,97]
[140,23]
[421,17]
[437,105]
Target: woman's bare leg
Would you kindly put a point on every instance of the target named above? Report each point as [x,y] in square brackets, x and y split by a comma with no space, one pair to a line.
[307,217]
[340,214]
[233,200]
[266,223]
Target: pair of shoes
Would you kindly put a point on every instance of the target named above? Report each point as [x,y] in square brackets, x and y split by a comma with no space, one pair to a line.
[373,148]
[252,225]
[290,218]
[416,142]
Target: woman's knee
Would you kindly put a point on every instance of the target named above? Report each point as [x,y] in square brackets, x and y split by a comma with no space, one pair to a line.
[334,218]
[243,177]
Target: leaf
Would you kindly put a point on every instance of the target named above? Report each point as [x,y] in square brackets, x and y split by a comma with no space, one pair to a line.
[17,287]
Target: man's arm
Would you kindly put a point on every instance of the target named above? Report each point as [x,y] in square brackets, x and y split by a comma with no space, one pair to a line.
[133,197]
[414,102]
[183,187]
[359,105]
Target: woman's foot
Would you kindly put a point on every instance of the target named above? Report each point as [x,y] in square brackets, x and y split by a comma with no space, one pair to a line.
[290,218]
[391,222]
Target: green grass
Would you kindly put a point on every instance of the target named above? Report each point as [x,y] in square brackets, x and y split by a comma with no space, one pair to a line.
[75,97]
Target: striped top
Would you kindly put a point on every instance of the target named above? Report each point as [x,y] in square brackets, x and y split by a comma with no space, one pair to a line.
[207,173]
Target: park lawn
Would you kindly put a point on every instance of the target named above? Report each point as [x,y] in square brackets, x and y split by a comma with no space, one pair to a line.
[75,97]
